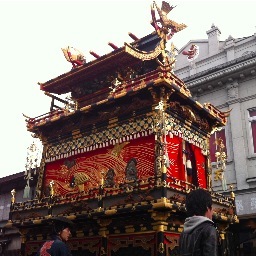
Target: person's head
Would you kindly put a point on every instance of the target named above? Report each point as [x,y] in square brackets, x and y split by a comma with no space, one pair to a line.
[62,227]
[199,203]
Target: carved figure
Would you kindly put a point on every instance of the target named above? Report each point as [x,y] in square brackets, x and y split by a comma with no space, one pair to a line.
[78,180]
[74,56]
[192,53]
[109,180]
[165,22]
[131,172]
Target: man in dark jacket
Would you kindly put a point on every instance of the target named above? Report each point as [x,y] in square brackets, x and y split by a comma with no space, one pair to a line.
[61,233]
[199,236]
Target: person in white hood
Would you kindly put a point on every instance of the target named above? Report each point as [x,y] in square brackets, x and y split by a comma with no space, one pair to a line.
[199,236]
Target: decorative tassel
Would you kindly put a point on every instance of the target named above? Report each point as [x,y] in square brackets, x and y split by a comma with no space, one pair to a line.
[26,192]
[167,161]
[189,167]
[223,182]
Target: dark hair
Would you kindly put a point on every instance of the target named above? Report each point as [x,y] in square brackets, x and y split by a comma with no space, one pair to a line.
[197,202]
[60,223]
[59,226]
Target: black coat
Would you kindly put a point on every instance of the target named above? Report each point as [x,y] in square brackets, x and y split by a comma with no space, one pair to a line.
[54,247]
[202,240]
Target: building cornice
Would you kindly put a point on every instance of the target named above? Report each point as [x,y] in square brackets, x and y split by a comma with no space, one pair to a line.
[239,100]
[229,69]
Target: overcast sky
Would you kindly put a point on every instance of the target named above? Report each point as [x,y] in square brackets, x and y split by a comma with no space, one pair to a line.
[33,33]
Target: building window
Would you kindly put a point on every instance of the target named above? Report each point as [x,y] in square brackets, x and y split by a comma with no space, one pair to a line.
[252,120]
[213,144]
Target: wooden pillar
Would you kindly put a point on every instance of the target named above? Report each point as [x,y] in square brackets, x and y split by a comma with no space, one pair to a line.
[23,241]
[160,226]
[222,227]
[103,232]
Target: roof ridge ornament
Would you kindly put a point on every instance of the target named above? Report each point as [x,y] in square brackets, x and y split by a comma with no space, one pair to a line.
[74,56]
[167,27]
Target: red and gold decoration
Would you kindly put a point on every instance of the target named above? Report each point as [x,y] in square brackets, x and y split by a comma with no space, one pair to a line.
[83,171]
[121,160]
[192,53]
[221,159]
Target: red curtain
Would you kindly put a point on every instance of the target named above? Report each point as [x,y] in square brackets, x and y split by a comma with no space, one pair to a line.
[175,154]
[176,148]
[200,164]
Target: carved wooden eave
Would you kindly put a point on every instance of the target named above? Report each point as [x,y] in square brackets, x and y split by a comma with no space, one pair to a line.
[153,79]
[106,63]
[34,212]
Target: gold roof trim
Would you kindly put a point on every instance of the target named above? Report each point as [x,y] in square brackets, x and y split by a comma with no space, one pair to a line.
[142,55]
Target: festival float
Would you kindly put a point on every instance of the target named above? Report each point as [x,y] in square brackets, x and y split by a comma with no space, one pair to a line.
[122,154]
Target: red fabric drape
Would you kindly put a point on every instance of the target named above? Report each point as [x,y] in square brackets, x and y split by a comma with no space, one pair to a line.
[175,154]
[177,166]
[87,167]
[200,162]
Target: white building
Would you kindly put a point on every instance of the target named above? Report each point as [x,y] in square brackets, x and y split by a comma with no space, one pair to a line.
[224,74]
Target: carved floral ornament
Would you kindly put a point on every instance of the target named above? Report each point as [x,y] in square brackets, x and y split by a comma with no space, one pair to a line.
[121,133]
